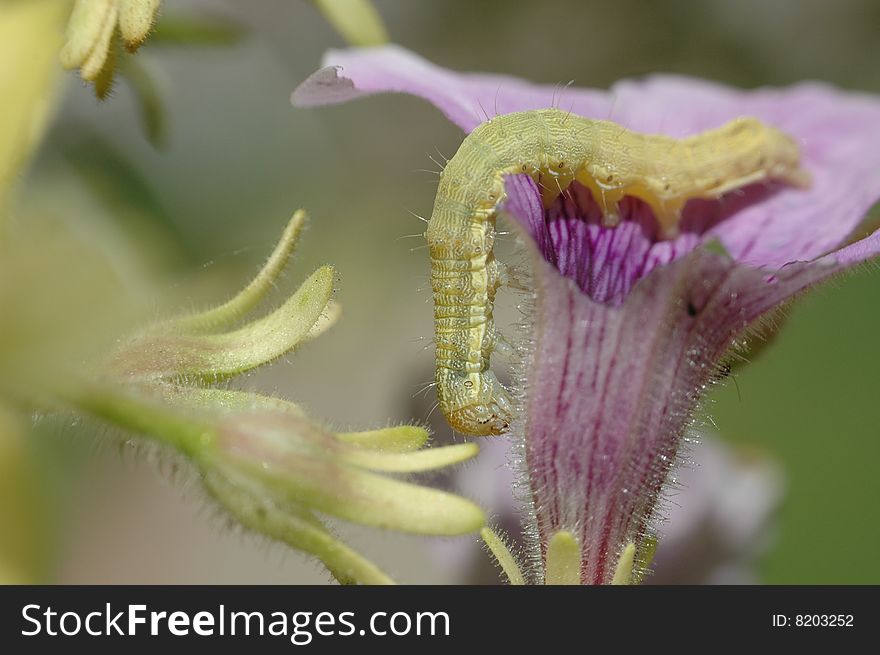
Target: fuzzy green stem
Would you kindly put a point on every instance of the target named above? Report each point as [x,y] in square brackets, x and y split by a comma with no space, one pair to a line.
[298,530]
[189,436]
[236,308]
[503,556]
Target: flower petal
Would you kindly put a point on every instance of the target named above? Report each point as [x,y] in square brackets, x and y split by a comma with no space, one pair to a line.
[409,462]
[399,439]
[28,46]
[605,262]
[628,329]
[245,300]
[465,99]
[611,389]
[136,19]
[94,63]
[836,130]
[88,22]
[296,462]
[214,357]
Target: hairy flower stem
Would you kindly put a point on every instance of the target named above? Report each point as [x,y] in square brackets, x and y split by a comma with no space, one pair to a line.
[195,439]
[185,434]
[343,563]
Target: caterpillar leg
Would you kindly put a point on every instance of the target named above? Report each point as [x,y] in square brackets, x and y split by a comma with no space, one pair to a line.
[606,194]
[502,346]
[508,277]
[668,214]
[474,403]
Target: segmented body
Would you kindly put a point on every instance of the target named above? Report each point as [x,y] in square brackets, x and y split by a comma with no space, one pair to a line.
[550,144]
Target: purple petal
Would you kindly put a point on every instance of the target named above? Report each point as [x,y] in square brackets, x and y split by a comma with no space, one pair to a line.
[628,329]
[836,130]
[467,99]
[605,262]
[627,334]
[857,252]
[611,389]
[718,522]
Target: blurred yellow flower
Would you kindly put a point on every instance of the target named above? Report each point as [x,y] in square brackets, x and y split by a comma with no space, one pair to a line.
[29,42]
[20,547]
[93,33]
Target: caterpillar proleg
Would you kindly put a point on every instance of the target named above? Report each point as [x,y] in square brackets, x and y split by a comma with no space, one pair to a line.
[612,162]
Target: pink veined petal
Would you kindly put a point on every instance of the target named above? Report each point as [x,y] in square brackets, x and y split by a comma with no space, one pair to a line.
[467,99]
[613,378]
[607,262]
[628,330]
[611,390]
[837,132]
[857,252]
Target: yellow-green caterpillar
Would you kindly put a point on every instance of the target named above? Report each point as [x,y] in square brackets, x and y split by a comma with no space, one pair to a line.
[612,162]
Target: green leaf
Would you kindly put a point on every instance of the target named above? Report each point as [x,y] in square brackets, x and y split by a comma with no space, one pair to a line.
[29,42]
[370,499]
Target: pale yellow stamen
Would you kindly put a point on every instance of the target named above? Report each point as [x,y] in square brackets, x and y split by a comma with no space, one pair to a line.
[563,560]
[503,556]
[644,557]
[623,574]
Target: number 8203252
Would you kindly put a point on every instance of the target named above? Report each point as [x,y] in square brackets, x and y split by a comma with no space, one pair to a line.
[813,621]
[823,620]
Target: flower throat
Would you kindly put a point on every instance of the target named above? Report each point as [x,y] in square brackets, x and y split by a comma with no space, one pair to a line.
[556,149]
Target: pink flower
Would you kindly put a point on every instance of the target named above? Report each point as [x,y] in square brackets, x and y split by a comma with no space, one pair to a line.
[629,328]
[719,521]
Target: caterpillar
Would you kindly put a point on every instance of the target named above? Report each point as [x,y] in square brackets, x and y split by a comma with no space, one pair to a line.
[608,159]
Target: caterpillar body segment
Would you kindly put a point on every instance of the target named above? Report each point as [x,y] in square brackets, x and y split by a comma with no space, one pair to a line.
[556,149]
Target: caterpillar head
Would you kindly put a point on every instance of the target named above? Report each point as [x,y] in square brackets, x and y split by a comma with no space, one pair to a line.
[480,420]
[474,403]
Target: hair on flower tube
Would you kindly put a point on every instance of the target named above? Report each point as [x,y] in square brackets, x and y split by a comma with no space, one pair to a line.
[691,212]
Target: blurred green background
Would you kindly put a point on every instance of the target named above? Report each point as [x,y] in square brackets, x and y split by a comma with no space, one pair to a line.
[238,159]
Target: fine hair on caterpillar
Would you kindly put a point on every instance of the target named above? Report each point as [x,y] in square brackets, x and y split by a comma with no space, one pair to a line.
[608,159]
